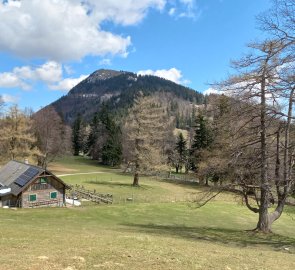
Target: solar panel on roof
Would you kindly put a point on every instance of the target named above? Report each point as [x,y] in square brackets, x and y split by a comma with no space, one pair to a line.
[20,181]
[24,178]
[31,172]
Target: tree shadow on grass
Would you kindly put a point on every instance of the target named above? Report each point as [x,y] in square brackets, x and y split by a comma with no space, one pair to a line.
[218,235]
[182,183]
[116,184]
[90,162]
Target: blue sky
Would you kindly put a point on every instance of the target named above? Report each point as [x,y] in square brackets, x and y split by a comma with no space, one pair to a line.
[48,46]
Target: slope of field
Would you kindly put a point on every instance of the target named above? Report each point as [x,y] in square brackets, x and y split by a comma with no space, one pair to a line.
[154,231]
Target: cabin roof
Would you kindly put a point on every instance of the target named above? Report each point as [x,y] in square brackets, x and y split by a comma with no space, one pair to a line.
[15,169]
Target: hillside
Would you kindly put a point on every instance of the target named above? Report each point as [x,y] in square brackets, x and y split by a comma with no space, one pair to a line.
[117,89]
[160,229]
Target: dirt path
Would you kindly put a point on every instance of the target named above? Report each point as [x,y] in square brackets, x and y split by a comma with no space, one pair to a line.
[71,174]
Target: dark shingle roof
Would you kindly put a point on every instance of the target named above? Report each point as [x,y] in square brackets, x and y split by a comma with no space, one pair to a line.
[11,171]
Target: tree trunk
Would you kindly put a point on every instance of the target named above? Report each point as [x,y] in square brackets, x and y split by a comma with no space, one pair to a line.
[135,179]
[267,219]
[176,168]
[201,180]
[186,169]
[136,175]
[263,224]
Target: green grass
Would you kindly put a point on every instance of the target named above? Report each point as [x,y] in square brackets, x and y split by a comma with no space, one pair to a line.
[157,234]
[114,182]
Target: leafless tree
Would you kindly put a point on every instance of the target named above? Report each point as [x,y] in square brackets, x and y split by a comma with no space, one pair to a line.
[261,119]
[1,104]
[53,138]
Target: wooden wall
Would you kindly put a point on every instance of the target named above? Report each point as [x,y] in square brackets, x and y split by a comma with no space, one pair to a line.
[43,193]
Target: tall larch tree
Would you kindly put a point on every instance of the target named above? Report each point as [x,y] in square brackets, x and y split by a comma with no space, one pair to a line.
[145,128]
[17,138]
[263,85]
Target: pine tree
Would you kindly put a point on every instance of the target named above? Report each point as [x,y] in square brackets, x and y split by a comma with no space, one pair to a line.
[76,135]
[104,140]
[93,137]
[202,140]
[181,151]
[112,148]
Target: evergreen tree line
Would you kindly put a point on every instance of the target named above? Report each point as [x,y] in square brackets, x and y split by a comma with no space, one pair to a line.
[101,139]
[104,137]
[187,152]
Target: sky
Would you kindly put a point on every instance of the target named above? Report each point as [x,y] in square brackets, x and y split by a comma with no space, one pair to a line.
[49,46]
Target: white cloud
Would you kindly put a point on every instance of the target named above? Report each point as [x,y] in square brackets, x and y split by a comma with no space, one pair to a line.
[184,9]
[171,74]
[22,77]
[68,29]
[10,99]
[105,62]
[126,12]
[211,91]
[172,11]
[50,73]
[71,29]
[68,83]
[8,79]
[187,2]
[68,69]
[24,72]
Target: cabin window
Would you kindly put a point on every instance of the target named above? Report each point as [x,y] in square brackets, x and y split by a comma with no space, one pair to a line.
[32,197]
[43,180]
[53,195]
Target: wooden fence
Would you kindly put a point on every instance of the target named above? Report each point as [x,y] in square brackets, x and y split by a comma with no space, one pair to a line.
[176,177]
[46,203]
[91,195]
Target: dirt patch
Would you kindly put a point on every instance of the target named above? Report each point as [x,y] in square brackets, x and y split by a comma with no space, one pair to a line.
[61,169]
[43,258]
[71,174]
[79,258]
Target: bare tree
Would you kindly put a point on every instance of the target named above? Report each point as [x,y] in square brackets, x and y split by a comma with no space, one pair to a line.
[261,118]
[258,86]
[279,21]
[53,138]
[1,104]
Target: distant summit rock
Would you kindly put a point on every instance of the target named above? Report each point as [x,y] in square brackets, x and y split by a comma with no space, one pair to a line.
[118,90]
[103,74]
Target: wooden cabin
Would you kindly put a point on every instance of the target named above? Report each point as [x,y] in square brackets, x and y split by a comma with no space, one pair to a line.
[24,185]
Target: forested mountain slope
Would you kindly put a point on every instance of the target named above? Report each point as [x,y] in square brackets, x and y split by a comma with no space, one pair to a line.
[117,89]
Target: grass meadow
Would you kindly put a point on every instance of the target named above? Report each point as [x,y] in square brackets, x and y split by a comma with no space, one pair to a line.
[161,228]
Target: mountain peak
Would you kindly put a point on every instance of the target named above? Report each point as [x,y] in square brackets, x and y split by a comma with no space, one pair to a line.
[117,90]
[103,74]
